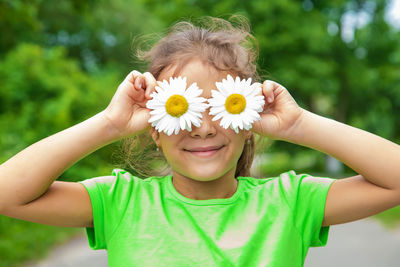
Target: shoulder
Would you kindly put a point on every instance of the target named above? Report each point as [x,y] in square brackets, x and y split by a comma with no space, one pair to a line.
[120,186]
[291,180]
[120,177]
[289,184]
[287,179]
[271,186]
[300,190]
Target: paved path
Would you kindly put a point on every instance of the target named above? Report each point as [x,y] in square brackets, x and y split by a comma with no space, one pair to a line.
[76,253]
[362,243]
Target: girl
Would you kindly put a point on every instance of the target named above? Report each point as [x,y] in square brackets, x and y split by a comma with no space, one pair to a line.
[209,211]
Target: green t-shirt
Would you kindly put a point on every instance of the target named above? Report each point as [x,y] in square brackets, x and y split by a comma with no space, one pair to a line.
[267,222]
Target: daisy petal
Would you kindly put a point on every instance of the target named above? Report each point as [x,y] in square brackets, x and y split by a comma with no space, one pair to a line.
[160,117]
[250,93]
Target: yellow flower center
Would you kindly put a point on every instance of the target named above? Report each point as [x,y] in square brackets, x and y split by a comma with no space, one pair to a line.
[235,103]
[176,105]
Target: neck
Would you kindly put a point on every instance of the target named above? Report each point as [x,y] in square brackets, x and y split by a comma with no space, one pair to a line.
[223,187]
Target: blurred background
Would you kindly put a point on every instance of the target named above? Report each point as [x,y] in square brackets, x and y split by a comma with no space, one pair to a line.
[61,62]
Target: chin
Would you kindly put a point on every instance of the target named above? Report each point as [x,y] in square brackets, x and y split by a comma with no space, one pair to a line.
[205,176]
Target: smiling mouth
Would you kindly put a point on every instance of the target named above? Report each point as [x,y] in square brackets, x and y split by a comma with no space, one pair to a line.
[204,153]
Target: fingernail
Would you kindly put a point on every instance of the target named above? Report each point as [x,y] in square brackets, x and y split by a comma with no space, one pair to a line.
[269,99]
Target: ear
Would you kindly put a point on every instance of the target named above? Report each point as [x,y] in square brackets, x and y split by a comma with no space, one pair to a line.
[155,135]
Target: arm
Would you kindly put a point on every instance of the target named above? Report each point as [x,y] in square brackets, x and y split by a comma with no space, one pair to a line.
[28,189]
[376,159]
[27,175]
[375,189]
[373,157]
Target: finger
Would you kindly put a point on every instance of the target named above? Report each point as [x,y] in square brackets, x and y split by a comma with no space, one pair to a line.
[132,76]
[139,88]
[258,88]
[150,84]
[268,91]
[140,83]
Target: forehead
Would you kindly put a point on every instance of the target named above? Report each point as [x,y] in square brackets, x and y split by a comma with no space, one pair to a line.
[198,72]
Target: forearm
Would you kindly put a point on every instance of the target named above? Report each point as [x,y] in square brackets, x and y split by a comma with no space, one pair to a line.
[373,157]
[28,174]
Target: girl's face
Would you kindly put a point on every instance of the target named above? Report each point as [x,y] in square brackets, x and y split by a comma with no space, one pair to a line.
[180,150]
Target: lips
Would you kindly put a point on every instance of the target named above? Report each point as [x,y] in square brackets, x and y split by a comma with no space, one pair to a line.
[203,149]
[204,152]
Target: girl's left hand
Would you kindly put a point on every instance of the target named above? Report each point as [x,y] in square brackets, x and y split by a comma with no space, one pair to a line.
[279,117]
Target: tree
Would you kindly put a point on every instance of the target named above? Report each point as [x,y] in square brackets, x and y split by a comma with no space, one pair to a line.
[302,46]
[44,92]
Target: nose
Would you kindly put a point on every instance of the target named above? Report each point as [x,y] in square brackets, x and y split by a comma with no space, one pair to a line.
[206,129]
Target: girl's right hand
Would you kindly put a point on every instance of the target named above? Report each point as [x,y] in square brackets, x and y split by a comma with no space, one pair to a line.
[127,111]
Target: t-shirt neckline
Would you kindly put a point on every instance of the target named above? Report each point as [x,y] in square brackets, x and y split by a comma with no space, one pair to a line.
[205,202]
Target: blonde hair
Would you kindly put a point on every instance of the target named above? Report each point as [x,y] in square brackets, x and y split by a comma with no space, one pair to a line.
[220,45]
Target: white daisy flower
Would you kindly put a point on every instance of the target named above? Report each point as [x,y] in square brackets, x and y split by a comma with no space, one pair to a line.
[237,103]
[174,107]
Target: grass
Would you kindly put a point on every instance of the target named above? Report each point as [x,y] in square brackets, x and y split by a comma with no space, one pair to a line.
[22,241]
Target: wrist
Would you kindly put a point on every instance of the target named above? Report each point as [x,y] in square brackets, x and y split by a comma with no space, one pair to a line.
[298,132]
[110,132]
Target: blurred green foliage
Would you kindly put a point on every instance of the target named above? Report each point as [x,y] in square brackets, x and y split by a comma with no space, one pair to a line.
[390,218]
[338,59]
[44,92]
[61,62]
[353,80]
[23,241]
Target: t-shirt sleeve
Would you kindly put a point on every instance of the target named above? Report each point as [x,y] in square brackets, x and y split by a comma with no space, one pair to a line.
[306,195]
[109,196]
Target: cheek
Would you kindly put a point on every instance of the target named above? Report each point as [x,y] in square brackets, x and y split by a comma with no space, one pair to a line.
[172,154]
[237,151]
[237,145]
